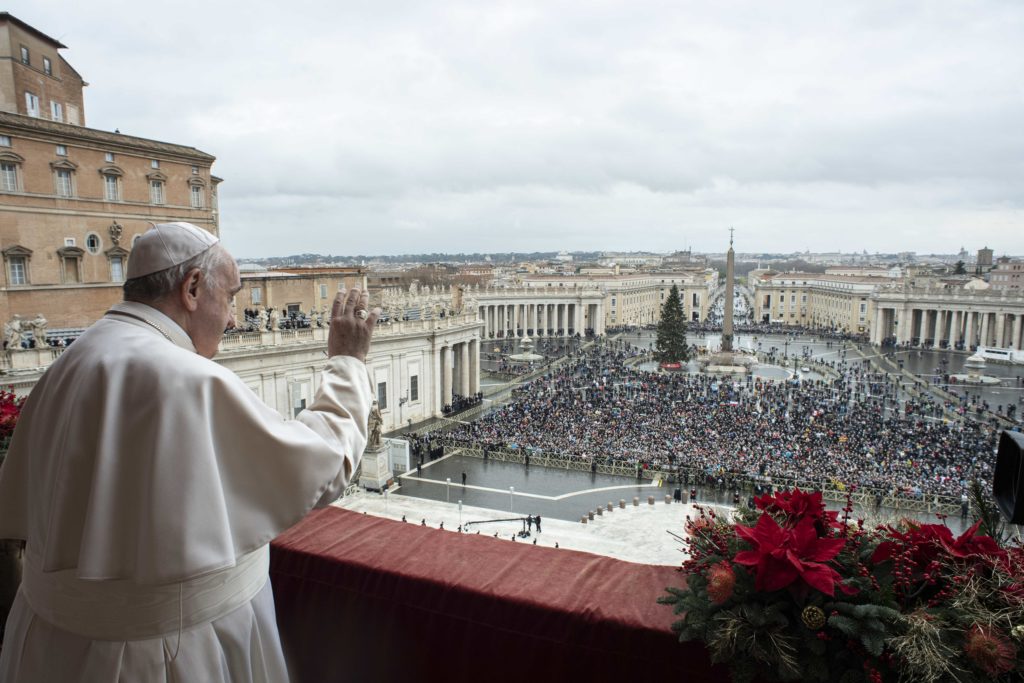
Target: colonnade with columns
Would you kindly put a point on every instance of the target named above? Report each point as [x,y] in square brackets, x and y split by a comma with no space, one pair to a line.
[458,367]
[541,319]
[949,326]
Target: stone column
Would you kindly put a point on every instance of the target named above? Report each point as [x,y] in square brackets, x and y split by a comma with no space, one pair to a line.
[984,341]
[1015,340]
[578,319]
[940,329]
[969,331]
[474,366]
[465,381]
[438,398]
[876,333]
[456,369]
[1000,330]
[446,376]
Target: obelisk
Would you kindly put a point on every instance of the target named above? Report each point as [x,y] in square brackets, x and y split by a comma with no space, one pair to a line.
[730,274]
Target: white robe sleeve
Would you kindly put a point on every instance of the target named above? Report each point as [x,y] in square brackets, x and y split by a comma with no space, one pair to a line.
[229,475]
[160,470]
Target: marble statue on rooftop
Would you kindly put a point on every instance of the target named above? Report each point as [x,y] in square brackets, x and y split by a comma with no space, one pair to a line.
[39,324]
[12,333]
[374,424]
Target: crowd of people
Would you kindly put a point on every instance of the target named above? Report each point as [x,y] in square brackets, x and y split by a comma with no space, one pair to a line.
[460,403]
[859,429]
[260,319]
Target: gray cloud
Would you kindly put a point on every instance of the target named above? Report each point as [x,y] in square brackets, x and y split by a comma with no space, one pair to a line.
[394,127]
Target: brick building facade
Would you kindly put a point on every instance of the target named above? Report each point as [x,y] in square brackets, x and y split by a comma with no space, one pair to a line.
[73,199]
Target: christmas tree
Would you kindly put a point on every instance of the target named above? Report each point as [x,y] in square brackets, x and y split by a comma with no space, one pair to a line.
[671,344]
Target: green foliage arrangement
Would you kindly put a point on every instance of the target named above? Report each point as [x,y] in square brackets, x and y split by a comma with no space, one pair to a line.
[792,592]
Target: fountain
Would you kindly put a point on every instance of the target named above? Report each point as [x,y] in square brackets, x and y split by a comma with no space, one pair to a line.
[975,365]
[526,354]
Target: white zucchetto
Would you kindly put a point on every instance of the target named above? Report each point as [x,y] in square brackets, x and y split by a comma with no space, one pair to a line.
[166,245]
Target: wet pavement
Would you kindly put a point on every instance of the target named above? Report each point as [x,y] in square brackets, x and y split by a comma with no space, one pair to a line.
[933,366]
[548,492]
[569,494]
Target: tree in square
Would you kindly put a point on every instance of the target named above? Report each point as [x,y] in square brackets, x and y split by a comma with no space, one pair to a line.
[671,343]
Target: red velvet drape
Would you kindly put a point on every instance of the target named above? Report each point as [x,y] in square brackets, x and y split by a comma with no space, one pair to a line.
[360,598]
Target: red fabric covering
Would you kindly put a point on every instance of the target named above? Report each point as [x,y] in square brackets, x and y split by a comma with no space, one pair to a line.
[360,598]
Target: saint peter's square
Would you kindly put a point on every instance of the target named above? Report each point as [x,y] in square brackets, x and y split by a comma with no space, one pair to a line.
[559,424]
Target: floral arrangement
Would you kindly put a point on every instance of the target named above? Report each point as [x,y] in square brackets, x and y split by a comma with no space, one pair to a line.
[791,591]
[10,410]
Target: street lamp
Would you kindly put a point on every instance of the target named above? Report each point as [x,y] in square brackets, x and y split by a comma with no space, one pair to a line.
[511,493]
[447,489]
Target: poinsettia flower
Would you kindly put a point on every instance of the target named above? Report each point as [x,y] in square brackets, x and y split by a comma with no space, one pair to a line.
[784,556]
[927,541]
[970,545]
[923,540]
[797,505]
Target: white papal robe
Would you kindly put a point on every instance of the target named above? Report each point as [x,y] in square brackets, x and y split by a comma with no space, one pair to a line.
[147,482]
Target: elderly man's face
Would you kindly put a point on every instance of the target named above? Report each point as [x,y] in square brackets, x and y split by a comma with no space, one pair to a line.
[216,310]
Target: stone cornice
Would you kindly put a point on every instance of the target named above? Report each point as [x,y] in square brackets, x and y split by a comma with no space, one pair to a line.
[29,125]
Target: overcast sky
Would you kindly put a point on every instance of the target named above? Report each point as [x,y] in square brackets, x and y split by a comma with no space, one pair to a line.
[389,127]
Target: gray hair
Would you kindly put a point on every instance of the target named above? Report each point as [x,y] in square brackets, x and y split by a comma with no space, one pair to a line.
[157,286]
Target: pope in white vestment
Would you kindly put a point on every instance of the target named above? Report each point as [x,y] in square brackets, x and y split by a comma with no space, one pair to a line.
[148,481]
